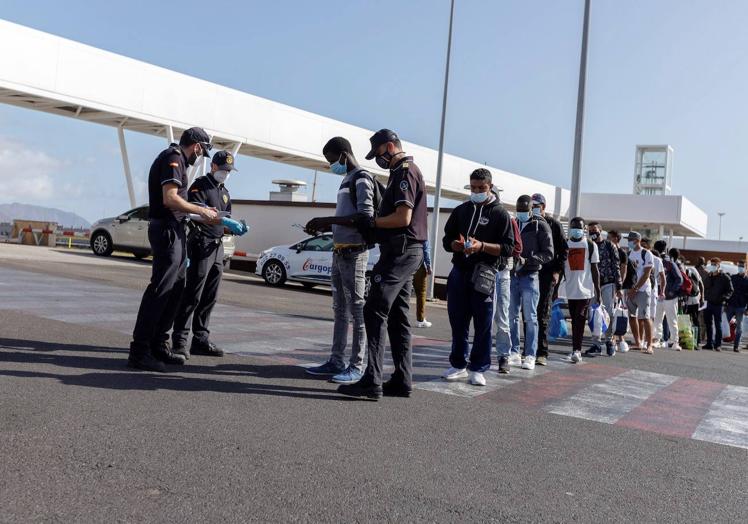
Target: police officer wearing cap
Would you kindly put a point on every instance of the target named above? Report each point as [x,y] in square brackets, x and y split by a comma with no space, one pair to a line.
[168,207]
[205,253]
[401,230]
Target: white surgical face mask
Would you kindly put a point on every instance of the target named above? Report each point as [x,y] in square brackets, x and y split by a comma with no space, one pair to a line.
[221,176]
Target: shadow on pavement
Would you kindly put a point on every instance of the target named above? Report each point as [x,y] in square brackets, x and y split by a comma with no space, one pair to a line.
[111,373]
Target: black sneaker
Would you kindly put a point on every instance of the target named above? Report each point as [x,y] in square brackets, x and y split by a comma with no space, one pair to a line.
[361,390]
[209,349]
[594,351]
[395,388]
[707,347]
[504,365]
[610,349]
[145,362]
[163,353]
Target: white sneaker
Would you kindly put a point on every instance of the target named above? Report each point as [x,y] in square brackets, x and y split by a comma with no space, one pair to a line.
[455,374]
[676,347]
[529,363]
[515,359]
[576,356]
[477,378]
[423,324]
[623,346]
[656,344]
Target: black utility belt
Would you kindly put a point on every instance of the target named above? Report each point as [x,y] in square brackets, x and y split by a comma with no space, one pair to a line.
[206,240]
[350,250]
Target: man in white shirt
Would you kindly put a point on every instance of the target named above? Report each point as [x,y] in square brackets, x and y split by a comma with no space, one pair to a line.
[582,282]
[639,296]
[658,293]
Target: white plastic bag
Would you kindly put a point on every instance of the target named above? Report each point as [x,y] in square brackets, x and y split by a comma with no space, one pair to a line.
[725,326]
[599,320]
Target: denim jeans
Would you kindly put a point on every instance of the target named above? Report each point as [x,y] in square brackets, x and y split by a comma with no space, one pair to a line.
[737,312]
[501,313]
[348,287]
[524,295]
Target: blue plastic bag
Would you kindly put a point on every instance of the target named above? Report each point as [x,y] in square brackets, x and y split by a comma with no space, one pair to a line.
[558,327]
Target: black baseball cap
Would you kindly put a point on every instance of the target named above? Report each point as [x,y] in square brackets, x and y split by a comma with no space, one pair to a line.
[197,135]
[224,160]
[380,137]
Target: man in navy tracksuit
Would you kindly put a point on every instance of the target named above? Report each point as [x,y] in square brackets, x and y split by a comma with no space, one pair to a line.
[480,235]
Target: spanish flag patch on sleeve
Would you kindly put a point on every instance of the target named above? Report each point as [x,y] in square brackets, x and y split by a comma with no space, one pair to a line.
[174,164]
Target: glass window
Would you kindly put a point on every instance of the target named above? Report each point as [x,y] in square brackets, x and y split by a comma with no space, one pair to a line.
[140,213]
[322,243]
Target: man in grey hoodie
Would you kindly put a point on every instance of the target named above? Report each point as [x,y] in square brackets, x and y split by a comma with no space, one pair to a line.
[537,249]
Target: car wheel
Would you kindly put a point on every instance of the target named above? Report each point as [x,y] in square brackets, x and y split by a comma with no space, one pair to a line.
[101,244]
[274,273]
[367,287]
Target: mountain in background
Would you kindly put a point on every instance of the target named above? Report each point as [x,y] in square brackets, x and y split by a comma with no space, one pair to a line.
[10,212]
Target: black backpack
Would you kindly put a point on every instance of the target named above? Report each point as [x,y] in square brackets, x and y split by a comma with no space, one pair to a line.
[378,190]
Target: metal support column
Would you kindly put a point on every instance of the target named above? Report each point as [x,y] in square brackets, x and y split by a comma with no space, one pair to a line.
[170,134]
[434,233]
[235,148]
[126,165]
[576,169]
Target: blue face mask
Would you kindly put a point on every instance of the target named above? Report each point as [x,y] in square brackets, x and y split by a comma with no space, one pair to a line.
[523,216]
[338,168]
[478,198]
[575,233]
[537,212]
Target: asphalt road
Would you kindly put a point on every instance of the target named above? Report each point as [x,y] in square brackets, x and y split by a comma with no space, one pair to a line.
[251,438]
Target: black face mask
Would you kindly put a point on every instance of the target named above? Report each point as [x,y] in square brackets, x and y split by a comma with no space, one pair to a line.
[594,236]
[384,160]
[192,159]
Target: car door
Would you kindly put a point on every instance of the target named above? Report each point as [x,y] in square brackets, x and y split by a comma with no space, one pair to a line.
[315,259]
[132,231]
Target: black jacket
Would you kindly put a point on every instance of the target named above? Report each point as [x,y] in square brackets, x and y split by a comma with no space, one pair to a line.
[537,244]
[488,223]
[560,247]
[717,288]
[739,297]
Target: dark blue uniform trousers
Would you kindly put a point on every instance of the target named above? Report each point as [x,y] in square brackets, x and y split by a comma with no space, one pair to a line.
[201,291]
[161,298]
[386,313]
[463,305]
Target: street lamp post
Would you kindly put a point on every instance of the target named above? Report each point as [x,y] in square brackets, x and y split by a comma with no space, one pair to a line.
[438,188]
[719,234]
[576,169]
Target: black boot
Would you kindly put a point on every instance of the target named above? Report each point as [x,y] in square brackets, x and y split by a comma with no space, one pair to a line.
[209,349]
[361,389]
[395,388]
[142,359]
[163,353]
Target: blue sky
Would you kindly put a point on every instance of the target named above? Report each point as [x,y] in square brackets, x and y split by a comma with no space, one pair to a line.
[660,71]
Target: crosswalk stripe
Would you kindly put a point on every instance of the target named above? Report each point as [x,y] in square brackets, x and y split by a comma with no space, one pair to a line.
[675,410]
[726,422]
[613,398]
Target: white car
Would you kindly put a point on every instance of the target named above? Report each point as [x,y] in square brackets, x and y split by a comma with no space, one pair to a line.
[129,232]
[308,262]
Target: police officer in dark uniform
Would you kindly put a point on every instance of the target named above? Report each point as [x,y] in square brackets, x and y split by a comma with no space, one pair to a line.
[167,195]
[401,231]
[205,253]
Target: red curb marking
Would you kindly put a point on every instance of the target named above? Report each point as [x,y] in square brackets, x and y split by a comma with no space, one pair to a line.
[675,410]
[537,391]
